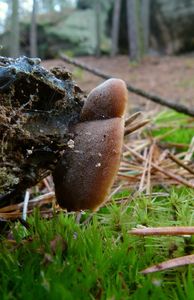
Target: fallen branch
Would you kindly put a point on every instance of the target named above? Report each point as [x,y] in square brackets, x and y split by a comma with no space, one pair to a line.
[154,98]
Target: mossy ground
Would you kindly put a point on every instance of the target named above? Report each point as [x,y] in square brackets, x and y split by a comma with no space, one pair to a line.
[61,259]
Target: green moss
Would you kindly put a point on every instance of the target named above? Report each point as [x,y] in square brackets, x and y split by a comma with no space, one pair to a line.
[100,260]
[173,127]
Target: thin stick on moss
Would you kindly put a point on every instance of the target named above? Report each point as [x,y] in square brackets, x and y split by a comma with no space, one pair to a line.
[172,263]
[171,230]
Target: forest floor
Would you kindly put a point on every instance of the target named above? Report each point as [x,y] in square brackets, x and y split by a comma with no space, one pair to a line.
[55,256]
[168,76]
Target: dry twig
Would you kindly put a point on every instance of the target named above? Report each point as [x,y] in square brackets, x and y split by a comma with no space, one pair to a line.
[172,263]
[178,230]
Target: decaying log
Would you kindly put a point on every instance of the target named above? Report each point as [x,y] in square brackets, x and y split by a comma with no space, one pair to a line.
[36,109]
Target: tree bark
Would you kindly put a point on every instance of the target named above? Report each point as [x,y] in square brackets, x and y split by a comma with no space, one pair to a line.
[14,36]
[33,31]
[115,27]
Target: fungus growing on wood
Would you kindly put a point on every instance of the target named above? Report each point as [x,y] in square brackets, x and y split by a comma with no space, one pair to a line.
[85,174]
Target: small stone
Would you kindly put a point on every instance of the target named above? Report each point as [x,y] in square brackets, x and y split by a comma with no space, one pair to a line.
[70,144]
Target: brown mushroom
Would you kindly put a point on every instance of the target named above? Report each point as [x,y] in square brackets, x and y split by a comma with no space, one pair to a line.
[85,174]
[108,100]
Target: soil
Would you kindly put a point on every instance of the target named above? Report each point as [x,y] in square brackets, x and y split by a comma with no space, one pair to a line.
[169,77]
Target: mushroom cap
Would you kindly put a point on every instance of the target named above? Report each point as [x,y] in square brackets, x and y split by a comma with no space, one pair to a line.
[84,178]
[86,172]
[108,100]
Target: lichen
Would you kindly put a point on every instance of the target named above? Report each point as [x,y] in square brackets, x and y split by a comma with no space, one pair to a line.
[7,179]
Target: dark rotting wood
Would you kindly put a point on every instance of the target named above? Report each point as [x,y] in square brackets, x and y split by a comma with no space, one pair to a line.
[37,107]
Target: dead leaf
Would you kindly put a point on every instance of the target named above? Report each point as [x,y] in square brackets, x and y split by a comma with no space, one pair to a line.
[56,242]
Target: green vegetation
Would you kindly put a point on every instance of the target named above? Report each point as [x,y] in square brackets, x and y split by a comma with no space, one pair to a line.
[78,73]
[175,126]
[60,259]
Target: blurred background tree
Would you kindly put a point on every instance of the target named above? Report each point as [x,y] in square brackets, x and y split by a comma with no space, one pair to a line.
[14,34]
[84,4]
[33,30]
[115,27]
[138,20]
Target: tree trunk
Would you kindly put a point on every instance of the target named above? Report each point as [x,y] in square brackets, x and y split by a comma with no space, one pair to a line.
[145,22]
[133,30]
[51,5]
[14,36]
[98,29]
[115,27]
[33,31]
[47,5]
